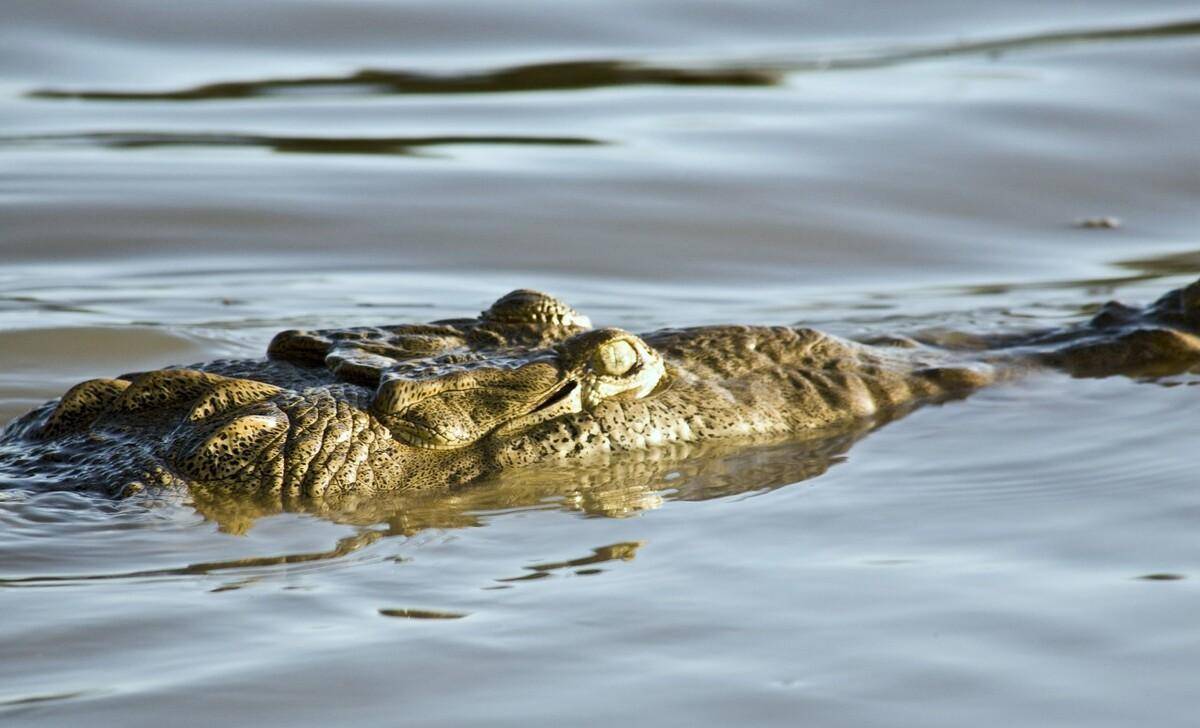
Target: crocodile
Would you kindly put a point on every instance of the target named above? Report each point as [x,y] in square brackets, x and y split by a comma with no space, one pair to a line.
[428,407]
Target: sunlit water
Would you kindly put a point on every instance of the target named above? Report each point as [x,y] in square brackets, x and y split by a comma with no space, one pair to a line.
[178,182]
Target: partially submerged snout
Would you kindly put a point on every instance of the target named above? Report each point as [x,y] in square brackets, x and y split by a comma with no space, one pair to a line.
[457,409]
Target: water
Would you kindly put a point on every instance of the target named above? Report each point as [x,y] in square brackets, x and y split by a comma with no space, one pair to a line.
[179,182]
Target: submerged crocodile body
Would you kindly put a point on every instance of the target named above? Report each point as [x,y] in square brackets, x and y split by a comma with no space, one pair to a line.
[366,410]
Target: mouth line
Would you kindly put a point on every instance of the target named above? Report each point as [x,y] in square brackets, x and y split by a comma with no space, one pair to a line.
[556,396]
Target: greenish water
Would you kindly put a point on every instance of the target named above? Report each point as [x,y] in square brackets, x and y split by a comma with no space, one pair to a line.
[178,182]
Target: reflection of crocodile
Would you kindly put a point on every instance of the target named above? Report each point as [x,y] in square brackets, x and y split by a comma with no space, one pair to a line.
[344,413]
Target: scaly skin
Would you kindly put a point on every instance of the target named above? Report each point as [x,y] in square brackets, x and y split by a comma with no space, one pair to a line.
[352,412]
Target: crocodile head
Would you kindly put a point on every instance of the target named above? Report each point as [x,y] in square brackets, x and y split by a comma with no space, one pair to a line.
[370,409]
[463,403]
[359,409]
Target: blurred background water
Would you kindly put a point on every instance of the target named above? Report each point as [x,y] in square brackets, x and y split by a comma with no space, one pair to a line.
[178,182]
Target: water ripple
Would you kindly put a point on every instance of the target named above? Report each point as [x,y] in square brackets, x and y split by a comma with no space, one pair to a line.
[564,76]
[404,146]
[606,73]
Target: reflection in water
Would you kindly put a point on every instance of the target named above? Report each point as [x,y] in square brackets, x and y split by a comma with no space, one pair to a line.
[576,75]
[624,551]
[620,487]
[617,487]
[420,614]
[293,144]
[1176,264]
[22,701]
[566,76]
[345,546]
[1186,263]
[1011,43]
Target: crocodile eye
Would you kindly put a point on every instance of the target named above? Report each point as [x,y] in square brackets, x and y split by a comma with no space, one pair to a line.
[615,358]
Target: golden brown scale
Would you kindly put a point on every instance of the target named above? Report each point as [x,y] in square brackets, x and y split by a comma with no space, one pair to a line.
[82,403]
[162,389]
[227,395]
[236,449]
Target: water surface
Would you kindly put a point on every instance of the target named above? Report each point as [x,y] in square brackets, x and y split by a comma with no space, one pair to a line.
[179,182]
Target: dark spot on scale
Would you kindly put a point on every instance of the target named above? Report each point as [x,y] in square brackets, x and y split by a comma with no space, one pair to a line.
[1163,576]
